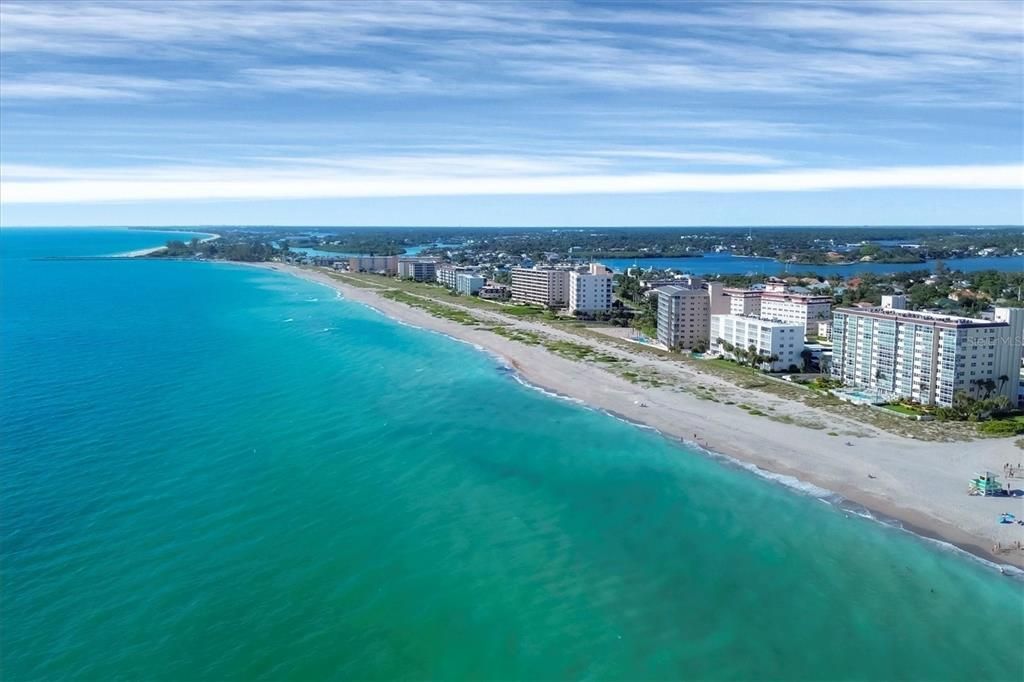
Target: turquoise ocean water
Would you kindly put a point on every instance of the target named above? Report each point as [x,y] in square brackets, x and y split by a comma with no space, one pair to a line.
[215,472]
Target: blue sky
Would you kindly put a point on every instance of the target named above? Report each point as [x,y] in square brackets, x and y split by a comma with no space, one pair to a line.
[493,113]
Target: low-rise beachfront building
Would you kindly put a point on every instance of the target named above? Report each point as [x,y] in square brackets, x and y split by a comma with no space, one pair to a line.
[387,265]
[927,357]
[419,269]
[494,292]
[543,286]
[468,283]
[804,309]
[744,301]
[683,316]
[590,291]
[771,338]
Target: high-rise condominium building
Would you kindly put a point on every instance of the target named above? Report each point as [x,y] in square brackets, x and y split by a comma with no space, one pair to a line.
[590,291]
[744,301]
[927,357]
[683,316]
[385,264]
[546,287]
[782,341]
[798,308]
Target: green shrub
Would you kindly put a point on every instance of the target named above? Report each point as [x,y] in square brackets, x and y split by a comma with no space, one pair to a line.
[1001,427]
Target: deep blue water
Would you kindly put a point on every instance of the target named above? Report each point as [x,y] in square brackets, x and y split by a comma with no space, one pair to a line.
[725,264]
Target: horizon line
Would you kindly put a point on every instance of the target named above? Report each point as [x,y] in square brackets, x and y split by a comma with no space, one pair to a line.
[508,227]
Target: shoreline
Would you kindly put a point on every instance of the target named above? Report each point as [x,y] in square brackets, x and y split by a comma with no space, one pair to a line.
[883,477]
[149,251]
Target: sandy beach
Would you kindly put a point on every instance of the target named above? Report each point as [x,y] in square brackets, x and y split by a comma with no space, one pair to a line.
[922,485]
[149,251]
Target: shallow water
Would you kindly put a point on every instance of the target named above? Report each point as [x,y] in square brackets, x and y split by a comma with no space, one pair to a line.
[211,471]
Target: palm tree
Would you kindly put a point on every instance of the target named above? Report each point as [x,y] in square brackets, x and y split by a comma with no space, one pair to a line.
[989,387]
[1002,382]
[751,354]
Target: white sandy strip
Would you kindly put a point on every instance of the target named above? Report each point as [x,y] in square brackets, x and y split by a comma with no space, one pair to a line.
[137,253]
[921,484]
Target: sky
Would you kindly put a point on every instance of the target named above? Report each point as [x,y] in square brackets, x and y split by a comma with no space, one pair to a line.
[511,113]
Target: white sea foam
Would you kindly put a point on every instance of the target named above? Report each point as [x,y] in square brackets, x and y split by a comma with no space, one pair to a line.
[1009,571]
[551,394]
[790,482]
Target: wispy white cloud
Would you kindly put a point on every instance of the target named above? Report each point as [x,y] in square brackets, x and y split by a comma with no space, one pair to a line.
[24,185]
[84,86]
[697,158]
[959,53]
[309,99]
[437,165]
[338,79]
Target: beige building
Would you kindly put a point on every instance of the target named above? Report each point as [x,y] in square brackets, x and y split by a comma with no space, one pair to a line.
[383,264]
[684,316]
[720,302]
[546,287]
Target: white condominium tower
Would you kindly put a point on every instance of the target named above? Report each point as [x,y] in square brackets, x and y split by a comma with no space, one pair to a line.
[798,308]
[927,357]
[590,291]
[548,287]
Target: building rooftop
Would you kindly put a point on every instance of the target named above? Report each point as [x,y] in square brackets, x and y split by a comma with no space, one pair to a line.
[675,290]
[756,318]
[942,319]
[797,296]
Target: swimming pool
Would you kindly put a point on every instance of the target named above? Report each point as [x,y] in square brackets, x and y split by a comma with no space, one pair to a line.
[859,396]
